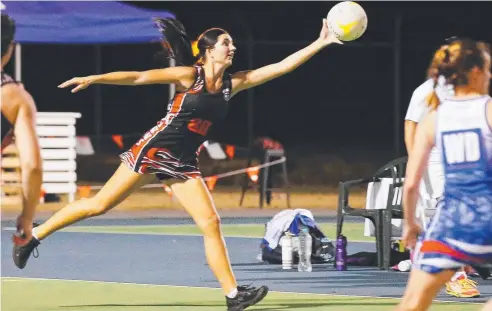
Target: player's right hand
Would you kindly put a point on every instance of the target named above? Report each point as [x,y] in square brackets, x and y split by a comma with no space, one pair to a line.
[80,82]
[327,36]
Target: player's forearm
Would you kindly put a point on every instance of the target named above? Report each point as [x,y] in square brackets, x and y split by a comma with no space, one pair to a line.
[410,197]
[295,60]
[118,78]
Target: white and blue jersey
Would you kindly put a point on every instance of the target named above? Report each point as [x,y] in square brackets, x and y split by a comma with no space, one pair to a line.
[460,232]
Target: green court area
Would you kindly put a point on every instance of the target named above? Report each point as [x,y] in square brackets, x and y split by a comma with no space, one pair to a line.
[50,295]
[354,231]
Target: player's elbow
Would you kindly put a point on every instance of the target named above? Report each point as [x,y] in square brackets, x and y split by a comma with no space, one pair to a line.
[139,78]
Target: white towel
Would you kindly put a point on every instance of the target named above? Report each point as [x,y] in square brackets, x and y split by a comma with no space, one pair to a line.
[280,223]
[377,198]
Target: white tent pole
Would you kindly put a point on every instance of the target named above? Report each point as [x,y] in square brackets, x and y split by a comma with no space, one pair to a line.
[18,61]
[397,83]
[98,99]
[172,87]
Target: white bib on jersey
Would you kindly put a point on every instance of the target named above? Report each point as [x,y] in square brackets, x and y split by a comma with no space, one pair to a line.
[464,137]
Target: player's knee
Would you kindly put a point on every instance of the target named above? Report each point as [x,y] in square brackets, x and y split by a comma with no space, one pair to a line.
[209,225]
[97,207]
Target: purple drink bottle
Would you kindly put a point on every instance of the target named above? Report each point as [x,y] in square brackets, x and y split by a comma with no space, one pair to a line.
[341,253]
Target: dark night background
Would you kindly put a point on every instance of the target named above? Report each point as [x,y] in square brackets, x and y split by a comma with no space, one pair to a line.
[342,100]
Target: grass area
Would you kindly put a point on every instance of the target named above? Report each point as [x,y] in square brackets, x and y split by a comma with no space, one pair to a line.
[354,231]
[47,295]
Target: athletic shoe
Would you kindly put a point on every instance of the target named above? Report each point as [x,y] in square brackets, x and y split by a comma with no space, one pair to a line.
[22,250]
[462,287]
[246,297]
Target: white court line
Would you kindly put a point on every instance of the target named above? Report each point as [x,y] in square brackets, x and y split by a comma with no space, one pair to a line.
[96,231]
[17,279]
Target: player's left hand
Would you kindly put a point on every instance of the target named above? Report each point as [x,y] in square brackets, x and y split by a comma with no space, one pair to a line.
[326,36]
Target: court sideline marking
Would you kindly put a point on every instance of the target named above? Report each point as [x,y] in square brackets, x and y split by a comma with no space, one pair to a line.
[74,229]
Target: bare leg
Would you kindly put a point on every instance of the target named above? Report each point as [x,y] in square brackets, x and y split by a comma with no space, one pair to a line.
[422,287]
[123,182]
[196,199]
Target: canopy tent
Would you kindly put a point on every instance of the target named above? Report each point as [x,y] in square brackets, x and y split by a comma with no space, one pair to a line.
[82,22]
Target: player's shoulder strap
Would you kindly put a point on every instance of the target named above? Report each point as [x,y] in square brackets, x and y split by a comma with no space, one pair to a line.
[227,85]
[199,79]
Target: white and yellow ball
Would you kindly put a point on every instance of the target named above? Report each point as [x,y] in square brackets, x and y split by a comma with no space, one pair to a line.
[347,20]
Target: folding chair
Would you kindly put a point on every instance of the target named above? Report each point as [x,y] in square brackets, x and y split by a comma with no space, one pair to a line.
[266,175]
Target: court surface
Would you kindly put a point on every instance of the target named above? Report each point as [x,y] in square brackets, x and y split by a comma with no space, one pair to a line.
[159,264]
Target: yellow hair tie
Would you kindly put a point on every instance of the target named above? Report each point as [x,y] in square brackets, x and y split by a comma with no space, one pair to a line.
[194,48]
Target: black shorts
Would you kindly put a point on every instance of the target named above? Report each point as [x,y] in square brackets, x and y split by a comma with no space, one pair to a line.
[161,162]
[150,156]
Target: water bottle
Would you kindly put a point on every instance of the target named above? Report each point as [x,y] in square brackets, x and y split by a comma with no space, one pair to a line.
[341,253]
[405,265]
[287,251]
[305,250]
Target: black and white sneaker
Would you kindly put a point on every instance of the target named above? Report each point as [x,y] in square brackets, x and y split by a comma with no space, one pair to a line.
[246,297]
[22,251]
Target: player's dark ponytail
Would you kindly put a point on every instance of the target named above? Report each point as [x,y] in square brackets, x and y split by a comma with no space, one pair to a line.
[8,32]
[176,44]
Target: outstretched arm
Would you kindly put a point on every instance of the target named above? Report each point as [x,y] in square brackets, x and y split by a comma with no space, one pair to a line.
[181,76]
[247,79]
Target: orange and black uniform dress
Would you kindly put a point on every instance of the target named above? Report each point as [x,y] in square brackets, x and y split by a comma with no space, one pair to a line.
[7,128]
[170,149]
